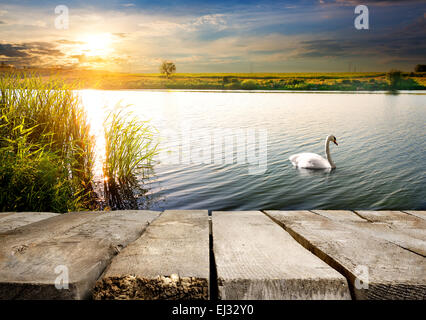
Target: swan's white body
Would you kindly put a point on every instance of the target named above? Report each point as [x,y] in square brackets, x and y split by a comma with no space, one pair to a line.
[309,160]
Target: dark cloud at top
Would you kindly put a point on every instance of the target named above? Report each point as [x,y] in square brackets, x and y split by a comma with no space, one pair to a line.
[405,44]
[415,29]
[371,2]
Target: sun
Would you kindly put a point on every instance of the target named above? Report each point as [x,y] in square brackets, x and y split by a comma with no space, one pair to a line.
[96,44]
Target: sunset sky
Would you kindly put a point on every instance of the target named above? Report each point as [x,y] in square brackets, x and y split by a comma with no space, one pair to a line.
[215,36]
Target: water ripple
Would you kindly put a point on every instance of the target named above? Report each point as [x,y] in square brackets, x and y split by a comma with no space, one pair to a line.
[380,158]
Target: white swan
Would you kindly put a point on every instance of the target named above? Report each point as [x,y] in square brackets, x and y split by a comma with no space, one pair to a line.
[314,161]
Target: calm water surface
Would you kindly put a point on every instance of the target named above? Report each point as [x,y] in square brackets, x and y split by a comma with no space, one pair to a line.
[381,157]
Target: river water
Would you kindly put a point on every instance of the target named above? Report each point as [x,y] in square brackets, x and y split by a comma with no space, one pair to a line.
[229,150]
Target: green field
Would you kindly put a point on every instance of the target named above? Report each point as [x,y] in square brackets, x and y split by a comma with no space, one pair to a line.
[91,79]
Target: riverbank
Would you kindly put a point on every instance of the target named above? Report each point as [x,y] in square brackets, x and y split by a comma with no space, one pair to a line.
[360,81]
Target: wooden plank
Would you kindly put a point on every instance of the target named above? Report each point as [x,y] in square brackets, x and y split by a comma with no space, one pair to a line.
[256,259]
[78,244]
[393,226]
[418,214]
[169,261]
[340,215]
[13,220]
[389,216]
[391,271]
[401,223]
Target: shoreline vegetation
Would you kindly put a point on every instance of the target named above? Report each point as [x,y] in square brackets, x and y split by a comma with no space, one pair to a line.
[47,150]
[344,81]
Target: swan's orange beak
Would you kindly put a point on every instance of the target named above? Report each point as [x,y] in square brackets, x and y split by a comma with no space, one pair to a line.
[335,142]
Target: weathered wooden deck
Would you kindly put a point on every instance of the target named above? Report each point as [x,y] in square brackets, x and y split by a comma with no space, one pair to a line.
[191,254]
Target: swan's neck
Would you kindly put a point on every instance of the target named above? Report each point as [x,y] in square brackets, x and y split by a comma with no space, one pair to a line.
[327,152]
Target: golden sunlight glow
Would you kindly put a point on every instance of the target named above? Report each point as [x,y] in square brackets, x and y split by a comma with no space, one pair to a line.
[96,44]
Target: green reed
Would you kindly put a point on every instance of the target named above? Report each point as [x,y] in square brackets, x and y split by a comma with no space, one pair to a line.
[130,148]
[46,148]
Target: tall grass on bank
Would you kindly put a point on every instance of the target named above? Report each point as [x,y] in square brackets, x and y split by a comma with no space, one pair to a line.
[130,149]
[46,149]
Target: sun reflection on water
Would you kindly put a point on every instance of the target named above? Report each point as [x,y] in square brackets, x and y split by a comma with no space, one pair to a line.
[381,148]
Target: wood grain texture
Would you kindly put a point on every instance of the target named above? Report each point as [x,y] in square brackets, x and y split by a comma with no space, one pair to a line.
[83,242]
[418,214]
[393,272]
[340,215]
[256,259]
[169,261]
[13,220]
[389,216]
[393,226]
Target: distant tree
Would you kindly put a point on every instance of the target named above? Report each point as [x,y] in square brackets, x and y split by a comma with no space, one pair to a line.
[394,78]
[226,79]
[167,67]
[249,85]
[420,68]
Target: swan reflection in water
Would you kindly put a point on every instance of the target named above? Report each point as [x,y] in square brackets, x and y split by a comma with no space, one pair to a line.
[303,172]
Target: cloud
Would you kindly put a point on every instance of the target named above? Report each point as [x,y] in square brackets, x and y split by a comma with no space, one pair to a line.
[12,50]
[82,58]
[322,48]
[404,44]
[218,20]
[71,42]
[97,61]
[162,27]
[218,36]
[30,53]
[43,48]
[120,34]
[371,2]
